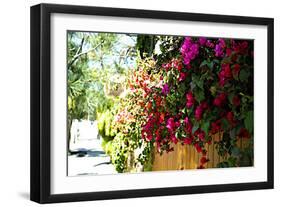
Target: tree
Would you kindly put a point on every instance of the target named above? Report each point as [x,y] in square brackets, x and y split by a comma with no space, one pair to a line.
[91,59]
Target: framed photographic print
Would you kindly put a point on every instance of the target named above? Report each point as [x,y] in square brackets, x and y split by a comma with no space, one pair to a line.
[132,103]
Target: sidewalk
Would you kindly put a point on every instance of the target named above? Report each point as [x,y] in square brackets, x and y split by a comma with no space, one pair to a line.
[88,158]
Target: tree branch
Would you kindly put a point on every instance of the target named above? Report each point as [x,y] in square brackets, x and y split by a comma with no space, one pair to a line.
[77,55]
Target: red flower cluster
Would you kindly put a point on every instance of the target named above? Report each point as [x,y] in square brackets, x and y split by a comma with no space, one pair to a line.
[200,134]
[225,74]
[240,47]
[216,126]
[198,147]
[243,133]
[236,100]
[175,63]
[235,70]
[220,99]
[189,100]
[199,110]
[230,118]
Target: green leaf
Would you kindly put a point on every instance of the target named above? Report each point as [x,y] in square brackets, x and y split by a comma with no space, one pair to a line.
[244,75]
[203,63]
[230,97]
[205,127]
[225,124]
[200,83]
[235,151]
[232,161]
[196,80]
[213,90]
[216,61]
[192,86]
[210,65]
[199,95]
[248,121]
[195,127]
[232,133]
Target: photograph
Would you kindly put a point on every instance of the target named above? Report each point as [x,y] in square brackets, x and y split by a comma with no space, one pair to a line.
[139,103]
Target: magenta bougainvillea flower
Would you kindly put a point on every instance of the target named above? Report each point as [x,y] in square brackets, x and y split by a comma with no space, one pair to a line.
[189,50]
[215,127]
[170,124]
[236,100]
[220,99]
[165,89]
[225,74]
[219,48]
[182,76]
[202,41]
[189,100]
[236,70]
[210,44]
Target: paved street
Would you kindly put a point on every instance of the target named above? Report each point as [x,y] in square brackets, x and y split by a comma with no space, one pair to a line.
[88,157]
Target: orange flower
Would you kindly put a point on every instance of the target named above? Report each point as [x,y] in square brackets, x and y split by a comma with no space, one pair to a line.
[149,105]
[162,117]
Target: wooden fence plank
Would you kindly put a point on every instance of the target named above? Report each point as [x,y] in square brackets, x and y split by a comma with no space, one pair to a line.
[210,154]
[186,157]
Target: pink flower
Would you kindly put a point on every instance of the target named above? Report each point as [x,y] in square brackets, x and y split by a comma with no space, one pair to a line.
[199,110]
[236,70]
[182,76]
[228,52]
[189,50]
[188,125]
[200,134]
[210,44]
[219,100]
[189,99]
[240,47]
[222,43]
[226,69]
[218,51]
[230,118]
[165,89]
[157,134]
[225,74]
[174,139]
[215,127]
[187,140]
[166,66]
[202,41]
[219,48]
[236,100]
[243,133]
[198,113]
[176,64]
[170,124]
[198,147]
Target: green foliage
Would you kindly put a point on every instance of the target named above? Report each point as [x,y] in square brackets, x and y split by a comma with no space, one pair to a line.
[119,153]
[230,162]
[145,45]
[249,120]
[107,147]
[205,127]
[105,122]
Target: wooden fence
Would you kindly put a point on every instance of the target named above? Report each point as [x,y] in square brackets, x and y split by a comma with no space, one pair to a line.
[186,157]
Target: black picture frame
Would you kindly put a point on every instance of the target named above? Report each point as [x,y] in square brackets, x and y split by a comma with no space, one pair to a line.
[41,95]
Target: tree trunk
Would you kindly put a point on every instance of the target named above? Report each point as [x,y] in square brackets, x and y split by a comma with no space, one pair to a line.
[69,124]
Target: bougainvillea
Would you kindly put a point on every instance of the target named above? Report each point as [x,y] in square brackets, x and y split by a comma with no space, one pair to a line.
[205,88]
